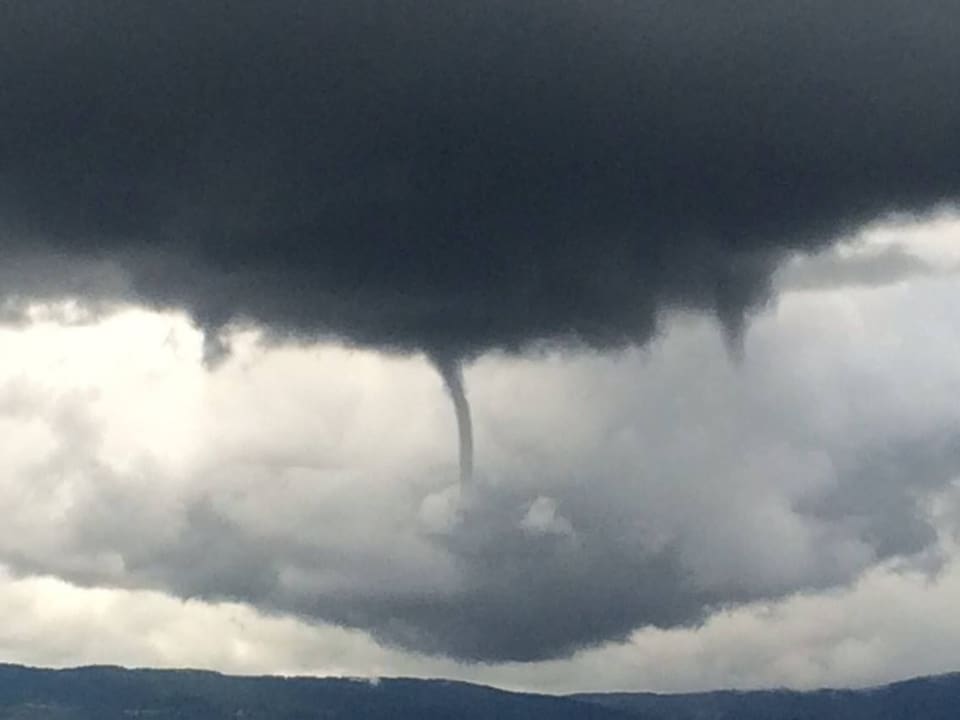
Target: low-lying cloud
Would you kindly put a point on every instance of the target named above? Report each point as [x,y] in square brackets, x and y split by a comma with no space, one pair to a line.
[649,488]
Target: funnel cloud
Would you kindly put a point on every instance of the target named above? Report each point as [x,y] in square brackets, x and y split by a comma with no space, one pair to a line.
[451,370]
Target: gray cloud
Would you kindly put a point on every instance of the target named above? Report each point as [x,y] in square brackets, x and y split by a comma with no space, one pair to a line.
[444,176]
[830,271]
[615,493]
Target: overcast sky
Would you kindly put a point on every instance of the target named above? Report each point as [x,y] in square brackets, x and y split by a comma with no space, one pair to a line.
[691,276]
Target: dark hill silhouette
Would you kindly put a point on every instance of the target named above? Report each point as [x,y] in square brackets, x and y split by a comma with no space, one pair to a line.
[105,693]
[932,698]
[108,693]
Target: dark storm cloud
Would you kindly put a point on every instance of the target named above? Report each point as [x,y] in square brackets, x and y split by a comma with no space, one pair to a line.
[526,597]
[457,176]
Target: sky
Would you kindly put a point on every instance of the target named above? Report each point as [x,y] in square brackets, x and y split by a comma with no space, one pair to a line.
[554,345]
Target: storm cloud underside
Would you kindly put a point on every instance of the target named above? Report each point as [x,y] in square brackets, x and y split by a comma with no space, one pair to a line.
[458,176]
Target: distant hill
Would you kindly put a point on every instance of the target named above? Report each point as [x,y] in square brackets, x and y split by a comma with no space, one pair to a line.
[108,693]
[933,698]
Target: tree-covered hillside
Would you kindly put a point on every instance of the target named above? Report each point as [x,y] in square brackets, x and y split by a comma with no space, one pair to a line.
[108,693]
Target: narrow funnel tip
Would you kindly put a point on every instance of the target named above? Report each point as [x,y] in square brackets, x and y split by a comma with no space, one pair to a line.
[451,370]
